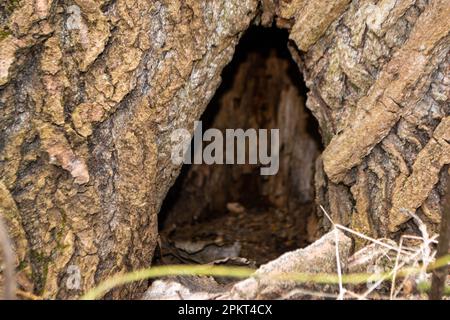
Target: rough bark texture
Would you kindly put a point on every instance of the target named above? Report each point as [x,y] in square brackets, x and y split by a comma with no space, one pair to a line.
[91,90]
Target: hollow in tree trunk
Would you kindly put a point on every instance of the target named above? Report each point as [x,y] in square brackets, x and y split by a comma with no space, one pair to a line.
[90,92]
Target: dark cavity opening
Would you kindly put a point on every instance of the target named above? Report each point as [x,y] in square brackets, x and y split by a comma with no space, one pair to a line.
[231,213]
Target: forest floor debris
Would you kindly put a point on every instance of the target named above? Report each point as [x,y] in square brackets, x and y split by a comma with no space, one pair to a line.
[259,235]
[396,271]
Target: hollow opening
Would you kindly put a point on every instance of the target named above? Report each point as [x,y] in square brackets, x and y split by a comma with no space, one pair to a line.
[230,212]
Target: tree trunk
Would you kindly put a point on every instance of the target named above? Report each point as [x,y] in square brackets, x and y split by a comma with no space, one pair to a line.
[90,92]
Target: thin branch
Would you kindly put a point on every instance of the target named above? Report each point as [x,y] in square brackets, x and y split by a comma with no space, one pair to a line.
[363,236]
[397,258]
[8,259]
[440,275]
[338,259]
[339,269]
[398,269]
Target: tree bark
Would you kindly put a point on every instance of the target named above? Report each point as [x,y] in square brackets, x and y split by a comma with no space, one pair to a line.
[438,281]
[90,92]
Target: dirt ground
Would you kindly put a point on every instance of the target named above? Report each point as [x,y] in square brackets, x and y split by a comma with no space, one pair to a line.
[255,234]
